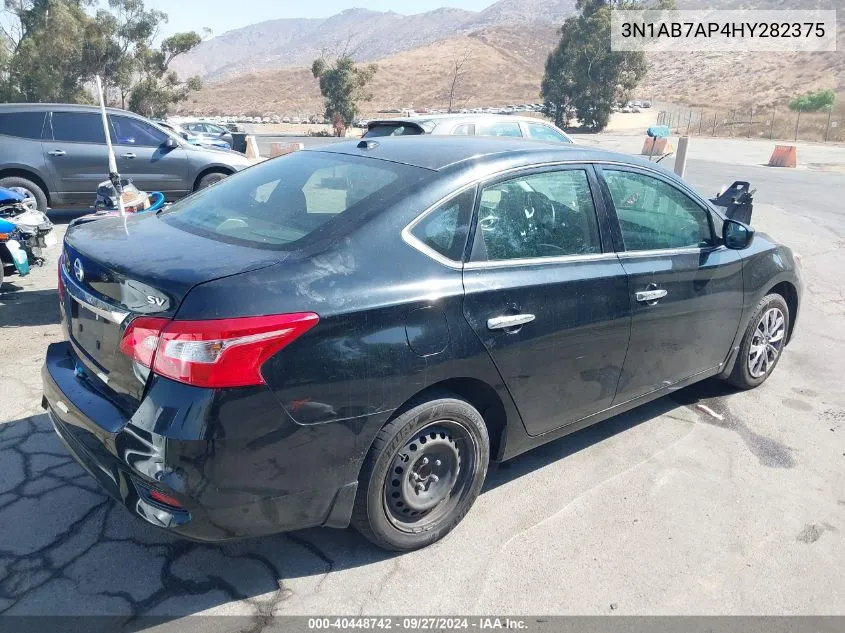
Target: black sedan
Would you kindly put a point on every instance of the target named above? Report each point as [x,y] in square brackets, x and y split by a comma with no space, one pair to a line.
[351,334]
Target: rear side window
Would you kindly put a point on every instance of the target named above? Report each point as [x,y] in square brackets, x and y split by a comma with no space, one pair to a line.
[465,129]
[505,128]
[78,127]
[444,230]
[295,199]
[393,130]
[550,214]
[542,132]
[22,124]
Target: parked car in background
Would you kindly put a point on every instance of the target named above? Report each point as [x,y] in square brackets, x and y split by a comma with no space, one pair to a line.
[195,139]
[468,125]
[210,131]
[57,153]
[533,289]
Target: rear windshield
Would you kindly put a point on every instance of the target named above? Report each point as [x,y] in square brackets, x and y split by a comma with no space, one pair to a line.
[298,198]
[393,129]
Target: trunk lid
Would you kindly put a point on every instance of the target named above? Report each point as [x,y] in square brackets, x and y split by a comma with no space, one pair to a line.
[113,274]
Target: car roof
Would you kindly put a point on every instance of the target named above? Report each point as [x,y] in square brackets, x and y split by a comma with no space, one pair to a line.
[421,118]
[437,153]
[67,107]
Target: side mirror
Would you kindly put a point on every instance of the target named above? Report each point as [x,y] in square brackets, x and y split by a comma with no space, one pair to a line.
[737,235]
[171,143]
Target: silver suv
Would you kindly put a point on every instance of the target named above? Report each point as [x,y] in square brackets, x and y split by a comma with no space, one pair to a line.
[58,153]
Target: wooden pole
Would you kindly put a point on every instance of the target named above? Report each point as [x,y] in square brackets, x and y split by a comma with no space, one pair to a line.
[772,129]
[827,129]
[715,114]
[797,121]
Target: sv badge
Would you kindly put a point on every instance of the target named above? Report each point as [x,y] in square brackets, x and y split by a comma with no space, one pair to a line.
[156,301]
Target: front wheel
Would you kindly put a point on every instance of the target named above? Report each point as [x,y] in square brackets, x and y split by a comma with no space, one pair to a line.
[762,344]
[422,474]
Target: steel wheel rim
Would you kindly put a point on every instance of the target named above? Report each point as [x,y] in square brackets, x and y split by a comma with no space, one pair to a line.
[417,493]
[766,342]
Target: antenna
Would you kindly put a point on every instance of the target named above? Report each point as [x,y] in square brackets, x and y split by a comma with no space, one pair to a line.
[114,176]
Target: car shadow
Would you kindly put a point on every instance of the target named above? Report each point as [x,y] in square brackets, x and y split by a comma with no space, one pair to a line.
[68,549]
[22,307]
[579,440]
[66,216]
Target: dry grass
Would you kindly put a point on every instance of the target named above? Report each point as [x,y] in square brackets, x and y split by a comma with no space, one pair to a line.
[505,66]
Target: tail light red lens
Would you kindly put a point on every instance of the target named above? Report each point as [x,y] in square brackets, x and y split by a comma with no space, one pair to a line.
[214,353]
[160,497]
[140,340]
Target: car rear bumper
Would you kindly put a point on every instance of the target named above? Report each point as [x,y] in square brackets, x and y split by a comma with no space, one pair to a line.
[206,474]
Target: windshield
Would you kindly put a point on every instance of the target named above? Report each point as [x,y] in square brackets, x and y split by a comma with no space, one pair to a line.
[288,199]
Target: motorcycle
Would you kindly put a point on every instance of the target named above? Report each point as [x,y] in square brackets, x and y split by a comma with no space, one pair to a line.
[35,229]
[11,251]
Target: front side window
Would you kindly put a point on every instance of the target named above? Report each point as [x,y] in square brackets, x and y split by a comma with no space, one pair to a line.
[129,131]
[541,132]
[505,128]
[444,230]
[654,215]
[78,127]
[22,124]
[540,215]
[465,129]
[293,199]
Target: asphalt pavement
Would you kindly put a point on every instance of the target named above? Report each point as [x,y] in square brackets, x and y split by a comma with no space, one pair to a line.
[737,507]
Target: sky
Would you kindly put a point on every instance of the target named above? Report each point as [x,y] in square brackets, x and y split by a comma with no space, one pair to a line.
[224,15]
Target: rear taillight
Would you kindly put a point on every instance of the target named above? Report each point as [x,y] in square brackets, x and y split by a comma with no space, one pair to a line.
[140,340]
[215,353]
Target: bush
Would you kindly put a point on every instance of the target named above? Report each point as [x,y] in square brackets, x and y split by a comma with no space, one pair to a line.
[813,101]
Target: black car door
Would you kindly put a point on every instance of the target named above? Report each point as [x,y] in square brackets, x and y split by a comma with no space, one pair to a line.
[686,288]
[546,295]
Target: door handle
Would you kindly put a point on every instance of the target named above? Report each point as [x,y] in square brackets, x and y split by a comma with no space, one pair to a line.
[508,321]
[651,295]
[128,155]
[57,152]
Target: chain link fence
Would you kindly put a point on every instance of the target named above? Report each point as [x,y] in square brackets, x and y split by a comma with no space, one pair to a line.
[784,125]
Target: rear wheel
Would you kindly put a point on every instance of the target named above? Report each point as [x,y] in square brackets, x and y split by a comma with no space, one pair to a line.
[762,343]
[209,179]
[31,188]
[422,474]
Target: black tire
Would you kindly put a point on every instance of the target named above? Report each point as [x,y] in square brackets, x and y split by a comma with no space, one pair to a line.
[36,191]
[210,178]
[746,374]
[445,429]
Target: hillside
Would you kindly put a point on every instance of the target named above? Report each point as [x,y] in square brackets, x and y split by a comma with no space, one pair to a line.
[368,35]
[504,63]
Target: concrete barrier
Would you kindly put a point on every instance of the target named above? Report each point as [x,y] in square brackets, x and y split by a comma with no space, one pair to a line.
[784,156]
[280,149]
[656,146]
[251,147]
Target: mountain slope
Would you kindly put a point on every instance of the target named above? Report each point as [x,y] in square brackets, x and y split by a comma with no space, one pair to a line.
[367,35]
[504,62]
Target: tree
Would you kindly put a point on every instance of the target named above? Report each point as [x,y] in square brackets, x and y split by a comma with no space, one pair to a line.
[814,101]
[343,85]
[583,74]
[457,75]
[50,50]
[160,87]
